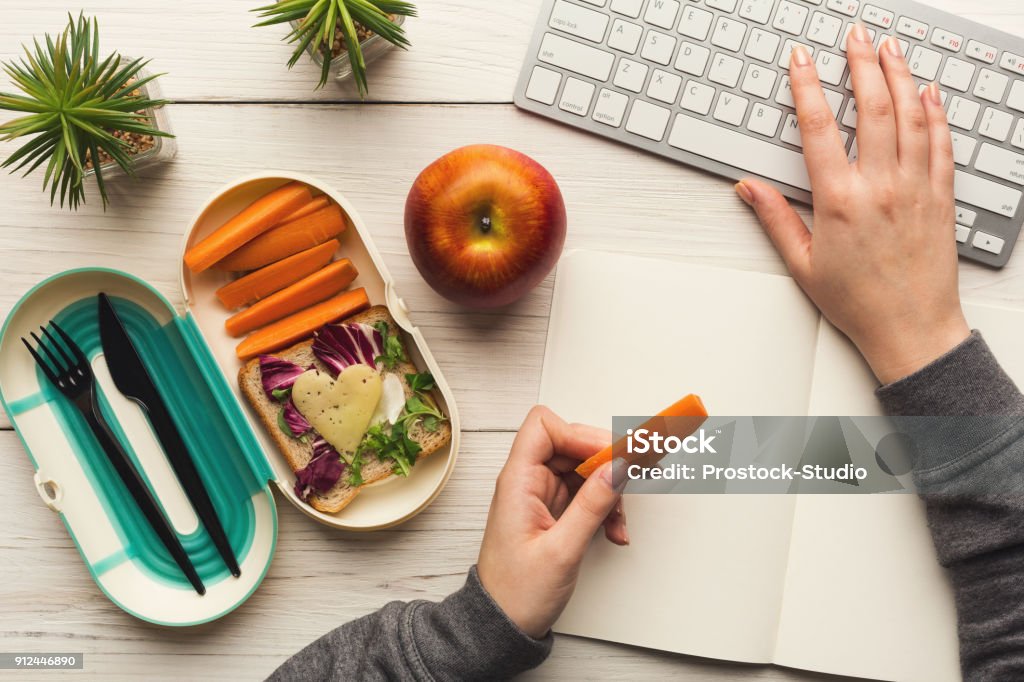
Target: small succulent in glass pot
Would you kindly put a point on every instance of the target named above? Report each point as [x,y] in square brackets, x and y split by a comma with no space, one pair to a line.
[79,108]
[345,35]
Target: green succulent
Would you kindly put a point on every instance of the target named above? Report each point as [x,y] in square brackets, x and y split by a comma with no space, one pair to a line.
[74,103]
[316,21]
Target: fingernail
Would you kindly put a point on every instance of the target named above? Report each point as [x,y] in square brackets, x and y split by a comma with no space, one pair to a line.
[933,94]
[860,33]
[800,56]
[893,47]
[745,193]
[615,474]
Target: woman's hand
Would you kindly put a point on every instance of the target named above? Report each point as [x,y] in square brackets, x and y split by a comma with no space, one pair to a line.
[542,519]
[882,261]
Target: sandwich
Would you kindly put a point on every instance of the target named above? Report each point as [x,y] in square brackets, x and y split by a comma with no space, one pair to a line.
[346,408]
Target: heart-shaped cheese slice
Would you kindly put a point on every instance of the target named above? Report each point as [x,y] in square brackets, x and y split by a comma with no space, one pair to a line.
[339,409]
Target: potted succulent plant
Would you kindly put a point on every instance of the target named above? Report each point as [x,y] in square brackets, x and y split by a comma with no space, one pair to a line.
[85,115]
[343,34]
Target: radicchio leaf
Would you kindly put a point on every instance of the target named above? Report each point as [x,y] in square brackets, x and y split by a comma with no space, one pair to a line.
[278,375]
[322,472]
[293,419]
[342,345]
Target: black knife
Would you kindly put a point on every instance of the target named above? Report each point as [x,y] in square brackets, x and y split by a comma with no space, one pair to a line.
[134,381]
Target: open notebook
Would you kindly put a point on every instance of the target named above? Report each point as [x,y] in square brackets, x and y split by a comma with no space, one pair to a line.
[839,584]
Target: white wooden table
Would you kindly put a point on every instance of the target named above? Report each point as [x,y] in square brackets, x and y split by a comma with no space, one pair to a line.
[239,110]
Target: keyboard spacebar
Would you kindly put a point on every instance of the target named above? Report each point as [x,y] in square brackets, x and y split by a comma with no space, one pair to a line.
[735,149]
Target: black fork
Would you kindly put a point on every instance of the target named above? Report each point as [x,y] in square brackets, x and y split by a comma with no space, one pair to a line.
[70,372]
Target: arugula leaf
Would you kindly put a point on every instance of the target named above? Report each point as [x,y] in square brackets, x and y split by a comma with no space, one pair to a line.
[355,470]
[421,383]
[431,423]
[281,394]
[393,352]
[283,425]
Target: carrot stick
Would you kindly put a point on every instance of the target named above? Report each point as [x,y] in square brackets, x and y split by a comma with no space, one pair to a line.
[690,406]
[322,201]
[287,239]
[317,287]
[251,222]
[302,324]
[272,278]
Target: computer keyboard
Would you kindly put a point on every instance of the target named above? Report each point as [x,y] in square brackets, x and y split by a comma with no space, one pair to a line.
[705,82]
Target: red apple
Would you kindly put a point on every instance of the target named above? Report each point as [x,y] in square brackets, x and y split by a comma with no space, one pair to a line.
[485,225]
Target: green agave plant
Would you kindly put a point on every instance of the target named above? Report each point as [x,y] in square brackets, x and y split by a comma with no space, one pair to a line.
[316,22]
[74,103]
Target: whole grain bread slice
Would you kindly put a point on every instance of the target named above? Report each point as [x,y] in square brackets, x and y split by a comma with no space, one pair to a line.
[298,454]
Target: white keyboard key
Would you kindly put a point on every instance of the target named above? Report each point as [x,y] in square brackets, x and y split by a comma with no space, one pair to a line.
[1001,163]
[697,98]
[576,96]
[925,63]
[996,124]
[790,17]
[965,216]
[731,108]
[625,36]
[831,67]
[724,5]
[787,52]
[785,94]
[981,52]
[759,81]
[912,28]
[764,120]
[963,113]
[985,194]
[825,29]
[578,21]
[963,148]
[739,150]
[878,16]
[630,75]
[576,57]
[957,74]
[846,35]
[1016,99]
[728,34]
[610,107]
[664,86]
[647,120]
[763,46]
[662,13]
[543,85]
[658,47]
[848,7]
[696,23]
[757,10]
[791,132]
[631,8]
[692,59]
[835,101]
[947,40]
[1012,62]
[596,3]
[991,86]
[962,233]
[850,116]
[1018,135]
[987,242]
[725,70]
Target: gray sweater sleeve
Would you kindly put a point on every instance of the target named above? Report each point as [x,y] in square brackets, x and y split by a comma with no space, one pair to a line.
[970,473]
[465,637]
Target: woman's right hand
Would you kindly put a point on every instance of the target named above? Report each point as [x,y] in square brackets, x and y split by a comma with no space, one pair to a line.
[881,263]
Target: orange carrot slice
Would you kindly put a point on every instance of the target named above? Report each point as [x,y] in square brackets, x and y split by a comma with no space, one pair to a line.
[690,406]
[254,220]
[287,239]
[276,276]
[302,324]
[322,201]
[317,287]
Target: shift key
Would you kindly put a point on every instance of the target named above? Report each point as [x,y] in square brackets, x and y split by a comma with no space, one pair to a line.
[576,57]
[991,196]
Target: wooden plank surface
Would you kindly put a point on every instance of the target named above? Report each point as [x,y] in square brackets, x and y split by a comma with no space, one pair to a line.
[241,111]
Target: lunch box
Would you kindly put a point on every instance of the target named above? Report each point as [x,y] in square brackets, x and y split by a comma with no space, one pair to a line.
[192,361]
